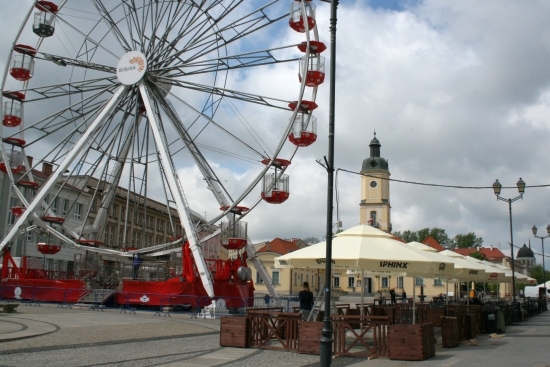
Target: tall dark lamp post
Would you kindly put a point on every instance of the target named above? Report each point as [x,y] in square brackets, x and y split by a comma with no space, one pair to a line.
[521,188]
[543,267]
[326,339]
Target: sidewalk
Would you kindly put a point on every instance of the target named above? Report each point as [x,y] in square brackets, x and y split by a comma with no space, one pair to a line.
[43,334]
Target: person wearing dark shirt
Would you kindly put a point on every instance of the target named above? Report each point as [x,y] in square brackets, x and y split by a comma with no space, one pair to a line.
[392,296]
[306,301]
[136,265]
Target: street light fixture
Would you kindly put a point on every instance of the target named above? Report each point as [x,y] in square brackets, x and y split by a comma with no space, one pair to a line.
[543,267]
[521,188]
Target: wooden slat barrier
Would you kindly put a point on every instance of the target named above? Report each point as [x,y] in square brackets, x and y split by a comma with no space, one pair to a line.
[353,342]
[274,330]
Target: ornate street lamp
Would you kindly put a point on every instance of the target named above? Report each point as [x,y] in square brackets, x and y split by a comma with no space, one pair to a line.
[521,188]
[543,266]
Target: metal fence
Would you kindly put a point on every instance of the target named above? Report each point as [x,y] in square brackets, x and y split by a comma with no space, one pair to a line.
[132,302]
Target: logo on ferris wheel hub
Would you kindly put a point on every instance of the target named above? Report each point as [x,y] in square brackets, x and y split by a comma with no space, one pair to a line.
[131,68]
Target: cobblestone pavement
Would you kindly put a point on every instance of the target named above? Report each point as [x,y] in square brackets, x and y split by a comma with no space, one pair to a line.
[48,336]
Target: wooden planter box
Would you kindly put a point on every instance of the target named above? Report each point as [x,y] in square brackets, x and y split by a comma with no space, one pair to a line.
[235,332]
[384,311]
[450,332]
[409,342]
[309,335]
[433,315]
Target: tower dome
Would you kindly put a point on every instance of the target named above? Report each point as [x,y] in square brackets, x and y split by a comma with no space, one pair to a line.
[374,162]
[525,252]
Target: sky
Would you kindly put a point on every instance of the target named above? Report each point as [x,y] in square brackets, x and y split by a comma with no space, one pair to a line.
[458,94]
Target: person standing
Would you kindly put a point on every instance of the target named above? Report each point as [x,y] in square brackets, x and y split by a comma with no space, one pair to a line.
[137,264]
[392,296]
[306,301]
[404,296]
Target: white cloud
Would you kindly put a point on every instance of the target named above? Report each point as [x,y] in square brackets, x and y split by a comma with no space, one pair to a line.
[458,93]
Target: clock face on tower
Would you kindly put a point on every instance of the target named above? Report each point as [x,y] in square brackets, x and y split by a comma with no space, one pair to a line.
[373,184]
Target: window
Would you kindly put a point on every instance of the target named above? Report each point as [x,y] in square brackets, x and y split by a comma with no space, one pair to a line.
[419,281]
[160,225]
[29,236]
[385,282]
[259,279]
[111,235]
[120,237]
[373,217]
[64,207]
[275,277]
[53,206]
[11,217]
[150,222]
[351,282]
[77,211]
[92,206]
[336,282]
[399,282]
[295,278]
[438,281]
[114,211]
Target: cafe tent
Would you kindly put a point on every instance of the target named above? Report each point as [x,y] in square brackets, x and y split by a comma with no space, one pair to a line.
[366,248]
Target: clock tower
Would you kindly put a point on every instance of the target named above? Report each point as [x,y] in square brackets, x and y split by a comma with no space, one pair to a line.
[375,207]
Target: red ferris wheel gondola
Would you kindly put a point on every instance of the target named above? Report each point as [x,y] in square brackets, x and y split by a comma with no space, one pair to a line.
[275,186]
[13,108]
[22,65]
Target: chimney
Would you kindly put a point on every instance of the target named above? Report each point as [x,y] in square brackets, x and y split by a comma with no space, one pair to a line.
[29,159]
[47,168]
[491,247]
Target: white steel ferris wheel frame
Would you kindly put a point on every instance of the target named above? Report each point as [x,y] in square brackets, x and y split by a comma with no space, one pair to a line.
[153,92]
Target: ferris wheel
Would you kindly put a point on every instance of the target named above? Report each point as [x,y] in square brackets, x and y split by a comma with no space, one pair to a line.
[140,94]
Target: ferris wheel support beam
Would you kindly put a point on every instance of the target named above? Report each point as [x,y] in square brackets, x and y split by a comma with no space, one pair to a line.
[116,173]
[217,189]
[208,174]
[178,194]
[71,156]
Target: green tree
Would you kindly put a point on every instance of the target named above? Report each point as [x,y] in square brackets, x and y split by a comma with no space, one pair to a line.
[478,255]
[536,272]
[438,234]
[311,240]
[407,236]
[469,240]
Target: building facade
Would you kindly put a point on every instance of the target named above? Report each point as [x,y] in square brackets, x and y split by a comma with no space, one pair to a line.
[375,208]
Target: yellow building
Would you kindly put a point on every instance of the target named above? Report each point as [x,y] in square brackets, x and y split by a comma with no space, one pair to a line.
[286,281]
[375,208]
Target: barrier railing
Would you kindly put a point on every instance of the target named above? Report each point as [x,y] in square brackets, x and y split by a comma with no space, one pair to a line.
[274,330]
[370,340]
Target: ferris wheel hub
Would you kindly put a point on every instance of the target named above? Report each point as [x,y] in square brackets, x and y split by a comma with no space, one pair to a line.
[131,68]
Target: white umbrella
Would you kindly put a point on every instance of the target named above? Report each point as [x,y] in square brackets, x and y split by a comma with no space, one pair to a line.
[368,248]
[365,247]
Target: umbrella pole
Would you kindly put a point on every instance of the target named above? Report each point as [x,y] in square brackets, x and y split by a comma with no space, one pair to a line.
[447,292]
[362,296]
[362,290]
[467,296]
[414,303]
